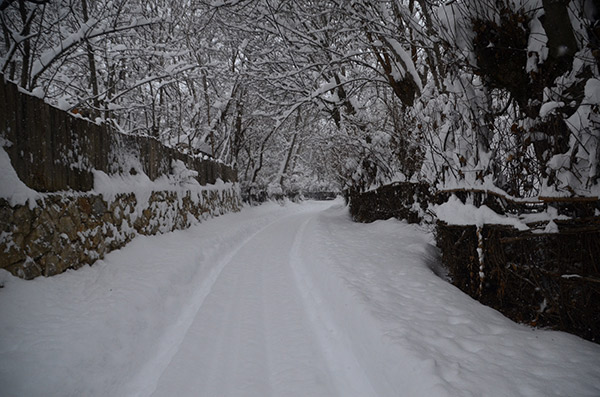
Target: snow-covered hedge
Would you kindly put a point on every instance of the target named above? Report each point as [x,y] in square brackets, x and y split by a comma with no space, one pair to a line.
[401,200]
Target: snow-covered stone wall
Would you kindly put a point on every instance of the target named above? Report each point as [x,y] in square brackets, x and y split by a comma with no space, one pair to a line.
[63,231]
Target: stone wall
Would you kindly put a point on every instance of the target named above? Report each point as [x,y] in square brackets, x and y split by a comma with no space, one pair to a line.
[69,230]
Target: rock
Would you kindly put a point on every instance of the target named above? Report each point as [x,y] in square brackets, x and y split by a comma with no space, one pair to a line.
[50,265]
[44,220]
[98,206]
[18,239]
[85,208]
[54,209]
[67,226]
[117,214]
[101,249]
[69,255]
[95,239]
[37,243]
[22,219]
[107,218]
[73,211]
[10,255]
[27,269]
[6,223]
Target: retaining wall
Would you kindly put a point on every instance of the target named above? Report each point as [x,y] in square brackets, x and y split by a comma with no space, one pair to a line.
[67,231]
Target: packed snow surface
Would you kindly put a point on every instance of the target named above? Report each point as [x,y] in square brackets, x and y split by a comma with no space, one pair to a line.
[293,300]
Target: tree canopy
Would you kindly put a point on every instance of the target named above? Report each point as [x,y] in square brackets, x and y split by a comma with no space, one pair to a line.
[332,94]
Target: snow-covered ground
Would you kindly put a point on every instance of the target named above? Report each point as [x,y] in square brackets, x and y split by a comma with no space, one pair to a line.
[276,301]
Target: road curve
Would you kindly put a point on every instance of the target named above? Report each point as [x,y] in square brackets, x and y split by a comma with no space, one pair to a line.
[259,331]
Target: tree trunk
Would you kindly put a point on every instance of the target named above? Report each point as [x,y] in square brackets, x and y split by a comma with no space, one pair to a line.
[91,61]
[556,22]
[26,45]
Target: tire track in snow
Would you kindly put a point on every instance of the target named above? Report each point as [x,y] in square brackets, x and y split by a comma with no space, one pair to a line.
[349,377]
[172,339]
[252,336]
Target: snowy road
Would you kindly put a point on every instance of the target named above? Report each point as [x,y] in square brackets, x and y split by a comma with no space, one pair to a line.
[253,335]
[276,301]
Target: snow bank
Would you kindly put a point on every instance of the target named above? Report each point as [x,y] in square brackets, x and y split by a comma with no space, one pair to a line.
[11,187]
[454,212]
[181,180]
[417,335]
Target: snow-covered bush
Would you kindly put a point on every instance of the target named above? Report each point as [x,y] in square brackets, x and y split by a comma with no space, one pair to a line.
[182,175]
[519,104]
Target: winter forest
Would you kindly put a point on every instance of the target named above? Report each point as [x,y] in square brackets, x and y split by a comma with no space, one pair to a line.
[332,95]
[300,198]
